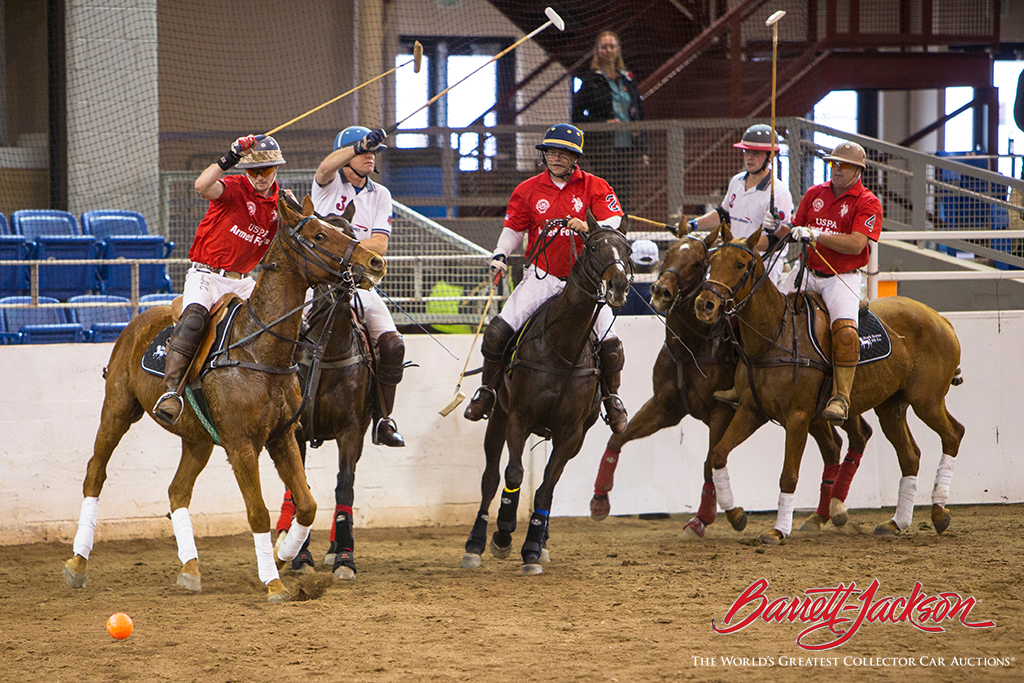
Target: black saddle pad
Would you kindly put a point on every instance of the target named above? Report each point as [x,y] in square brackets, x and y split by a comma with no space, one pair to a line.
[874,340]
[153,360]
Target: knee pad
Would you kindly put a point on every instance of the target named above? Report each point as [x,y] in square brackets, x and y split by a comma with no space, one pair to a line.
[390,357]
[845,343]
[496,338]
[189,330]
[613,357]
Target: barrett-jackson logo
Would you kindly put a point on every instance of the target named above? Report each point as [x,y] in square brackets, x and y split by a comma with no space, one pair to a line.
[827,610]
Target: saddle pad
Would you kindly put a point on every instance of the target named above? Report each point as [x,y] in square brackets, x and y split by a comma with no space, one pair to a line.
[153,360]
[874,340]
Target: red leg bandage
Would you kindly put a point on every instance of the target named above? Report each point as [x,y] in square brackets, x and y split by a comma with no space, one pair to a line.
[828,480]
[845,476]
[708,509]
[606,472]
[284,522]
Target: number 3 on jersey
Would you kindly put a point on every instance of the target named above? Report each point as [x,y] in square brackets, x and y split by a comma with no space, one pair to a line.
[340,206]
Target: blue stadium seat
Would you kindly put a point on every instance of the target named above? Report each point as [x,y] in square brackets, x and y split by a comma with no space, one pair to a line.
[38,325]
[103,223]
[104,324]
[13,279]
[35,222]
[5,225]
[151,300]
[153,277]
[68,280]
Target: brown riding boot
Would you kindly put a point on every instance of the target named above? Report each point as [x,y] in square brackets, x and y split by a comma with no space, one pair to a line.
[845,355]
[613,358]
[492,348]
[390,364]
[181,349]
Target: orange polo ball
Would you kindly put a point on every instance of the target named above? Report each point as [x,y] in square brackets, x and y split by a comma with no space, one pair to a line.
[120,625]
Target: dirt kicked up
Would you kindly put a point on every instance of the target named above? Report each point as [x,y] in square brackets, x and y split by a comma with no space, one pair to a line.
[623,600]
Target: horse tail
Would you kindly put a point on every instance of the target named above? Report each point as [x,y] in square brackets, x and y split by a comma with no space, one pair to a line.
[957,379]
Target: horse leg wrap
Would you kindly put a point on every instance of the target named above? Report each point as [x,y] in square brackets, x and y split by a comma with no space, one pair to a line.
[86,526]
[846,471]
[943,477]
[784,519]
[828,481]
[184,536]
[284,522]
[606,472]
[905,504]
[265,565]
[477,540]
[535,536]
[508,511]
[708,502]
[723,488]
[341,532]
[292,544]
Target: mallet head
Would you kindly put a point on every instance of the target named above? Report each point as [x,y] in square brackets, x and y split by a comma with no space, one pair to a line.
[557,20]
[774,19]
[417,56]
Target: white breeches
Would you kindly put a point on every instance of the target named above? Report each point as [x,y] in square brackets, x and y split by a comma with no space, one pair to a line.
[840,292]
[206,289]
[536,288]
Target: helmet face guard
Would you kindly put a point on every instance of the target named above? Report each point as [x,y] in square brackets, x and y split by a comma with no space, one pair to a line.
[266,152]
[351,136]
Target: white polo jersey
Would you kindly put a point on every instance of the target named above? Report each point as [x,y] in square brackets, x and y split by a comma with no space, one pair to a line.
[373,205]
[747,208]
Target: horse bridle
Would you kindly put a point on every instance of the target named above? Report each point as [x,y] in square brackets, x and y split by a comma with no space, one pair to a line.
[687,285]
[727,294]
[595,277]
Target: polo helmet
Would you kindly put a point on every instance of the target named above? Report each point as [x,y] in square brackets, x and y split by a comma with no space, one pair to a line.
[563,136]
[757,138]
[266,152]
[351,136]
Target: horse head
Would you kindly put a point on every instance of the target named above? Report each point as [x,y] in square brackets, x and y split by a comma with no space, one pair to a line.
[604,258]
[323,252]
[683,270]
[733,270]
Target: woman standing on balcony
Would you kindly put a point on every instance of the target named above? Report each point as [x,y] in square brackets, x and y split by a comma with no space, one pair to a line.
[609,94]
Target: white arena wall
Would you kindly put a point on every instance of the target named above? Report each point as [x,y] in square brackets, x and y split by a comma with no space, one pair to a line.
[50,411]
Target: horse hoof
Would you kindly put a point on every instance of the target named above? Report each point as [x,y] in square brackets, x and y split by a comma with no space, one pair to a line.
[471,560]
[940,518]
[838,512]
[304,569]
[773,537]
[75,571]
[887,529]
[813,523]
[600,506]
[694,530]
[499,552]
[737,517]
[276,592]
[188,577]
[531,570]
[344,573]
[545,556]
[329,559]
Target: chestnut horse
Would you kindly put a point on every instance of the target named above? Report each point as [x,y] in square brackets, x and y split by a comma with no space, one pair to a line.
[552,390]
[695,361]
[918,372]
[252,402]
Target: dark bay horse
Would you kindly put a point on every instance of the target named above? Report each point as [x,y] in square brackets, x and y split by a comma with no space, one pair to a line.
[552,390]
[695,361]
[783,381]
[252,403]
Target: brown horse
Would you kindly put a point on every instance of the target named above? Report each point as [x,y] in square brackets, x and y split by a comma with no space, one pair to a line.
[783,383]
[552,390]
[695,361]
[252,402]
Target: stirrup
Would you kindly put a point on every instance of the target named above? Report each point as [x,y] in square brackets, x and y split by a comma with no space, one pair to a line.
[730,397]
[167,418]
[616,416]
[392,437]
[481,405]
[837,410]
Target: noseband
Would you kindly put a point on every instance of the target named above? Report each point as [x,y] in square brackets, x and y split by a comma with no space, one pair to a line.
[595,275]
[687,285]
[724,292]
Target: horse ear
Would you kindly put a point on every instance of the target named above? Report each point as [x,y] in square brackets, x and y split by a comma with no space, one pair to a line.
[726,232]
[624,225]
[307,206]
[591,221]
[712,237]
[349,212]
[288,208]
[753,239]
[684,226]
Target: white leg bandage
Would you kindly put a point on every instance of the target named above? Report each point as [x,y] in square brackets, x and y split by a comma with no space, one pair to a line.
[86,527]
[943,476]
[723,489]
[784,520]
[905,505]
[184,535]
[265,564]
[292,543]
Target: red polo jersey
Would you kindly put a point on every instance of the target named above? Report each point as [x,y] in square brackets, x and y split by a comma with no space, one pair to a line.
[538,200]
[238,227]
[856,210]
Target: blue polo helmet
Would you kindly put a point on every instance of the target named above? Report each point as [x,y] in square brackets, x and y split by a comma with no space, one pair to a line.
[351,136]
[563,136]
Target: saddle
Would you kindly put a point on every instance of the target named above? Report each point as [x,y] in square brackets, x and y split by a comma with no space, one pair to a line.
[511,359]
[216,333]
[874,339]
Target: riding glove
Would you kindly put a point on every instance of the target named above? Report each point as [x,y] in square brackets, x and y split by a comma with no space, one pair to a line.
[805,234]
[499,264]
[370,142]
[238,149]
[771,222]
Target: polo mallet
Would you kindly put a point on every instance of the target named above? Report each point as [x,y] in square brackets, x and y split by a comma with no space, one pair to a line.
[661,226]
[553,19]
[459,397]
[773,21]
[417,59]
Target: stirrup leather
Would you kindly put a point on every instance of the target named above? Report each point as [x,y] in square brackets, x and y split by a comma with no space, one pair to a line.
[166,417]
